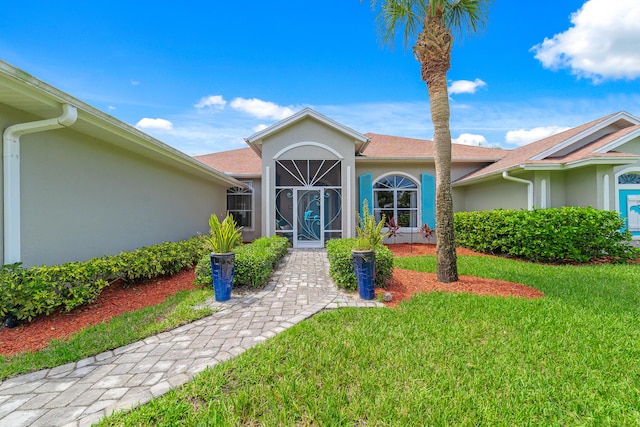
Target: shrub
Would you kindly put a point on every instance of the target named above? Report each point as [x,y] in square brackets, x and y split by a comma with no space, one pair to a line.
[31,292]
[568,234]
[253,263]
[341,265]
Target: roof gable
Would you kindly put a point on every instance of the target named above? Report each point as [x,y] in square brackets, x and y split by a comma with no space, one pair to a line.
[573,147]
[255,140]
[588,133]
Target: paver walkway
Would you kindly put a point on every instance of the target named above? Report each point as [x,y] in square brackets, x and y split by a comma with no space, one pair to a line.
[78,394]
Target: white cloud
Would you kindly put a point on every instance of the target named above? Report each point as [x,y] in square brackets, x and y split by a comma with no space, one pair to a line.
[260,127]
[466,86]
[523,137]
[602,43]
[261,109]
[215,101]
[471,139]
[156,124]
[134,83]
[111,108]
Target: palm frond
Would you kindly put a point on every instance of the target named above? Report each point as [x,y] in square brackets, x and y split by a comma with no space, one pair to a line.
[407,17]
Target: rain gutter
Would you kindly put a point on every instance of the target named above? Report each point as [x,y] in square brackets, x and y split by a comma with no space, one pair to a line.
[11,175]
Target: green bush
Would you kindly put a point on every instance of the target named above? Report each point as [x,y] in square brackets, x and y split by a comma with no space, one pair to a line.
[341,264]
[557,235]
[30,292]
[253,263]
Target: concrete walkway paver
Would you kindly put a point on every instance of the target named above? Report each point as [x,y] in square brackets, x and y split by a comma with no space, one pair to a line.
[81,393]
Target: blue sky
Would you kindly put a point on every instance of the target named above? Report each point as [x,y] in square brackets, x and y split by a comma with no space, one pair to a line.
[205,75]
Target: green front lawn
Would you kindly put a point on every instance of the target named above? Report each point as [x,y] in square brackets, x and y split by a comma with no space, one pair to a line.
[570,358]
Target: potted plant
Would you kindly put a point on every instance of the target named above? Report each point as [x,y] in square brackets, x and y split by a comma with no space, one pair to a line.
[224,237]
[370,236]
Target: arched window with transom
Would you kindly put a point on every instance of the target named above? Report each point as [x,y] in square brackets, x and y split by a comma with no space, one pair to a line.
[396,196]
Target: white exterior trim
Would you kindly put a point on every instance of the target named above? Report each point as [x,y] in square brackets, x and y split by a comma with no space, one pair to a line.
[618,142]
[418,183]
[311,143]
[266,195]
[619,187]
[593,129]
[605,193]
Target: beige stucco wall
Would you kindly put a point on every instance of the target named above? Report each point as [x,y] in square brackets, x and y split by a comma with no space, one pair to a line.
[83,198]
[494,194]
[581,187]
[309,139]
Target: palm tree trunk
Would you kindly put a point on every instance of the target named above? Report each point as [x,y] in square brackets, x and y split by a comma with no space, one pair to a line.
[433,50]
[447,267]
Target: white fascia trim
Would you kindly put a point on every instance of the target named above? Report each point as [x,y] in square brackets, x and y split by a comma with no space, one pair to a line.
[581,163]
[365,159]
[130,133]
[461,182]
[311,143]
[585,133]
[618,142]
[34,88]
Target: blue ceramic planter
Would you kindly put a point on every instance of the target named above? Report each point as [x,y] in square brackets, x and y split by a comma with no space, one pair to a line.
[364,265]
[222,275]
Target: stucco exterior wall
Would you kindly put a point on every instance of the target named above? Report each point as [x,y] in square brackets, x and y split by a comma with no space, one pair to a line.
[557,189]
[494,194]
[83,198]
[581,187]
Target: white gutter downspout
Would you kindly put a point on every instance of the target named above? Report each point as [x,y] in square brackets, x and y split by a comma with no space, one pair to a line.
[11,175]
[508,177]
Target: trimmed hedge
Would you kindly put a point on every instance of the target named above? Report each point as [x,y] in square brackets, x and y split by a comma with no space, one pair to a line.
[555,235]
[253,263]
[26,293]
[341,265]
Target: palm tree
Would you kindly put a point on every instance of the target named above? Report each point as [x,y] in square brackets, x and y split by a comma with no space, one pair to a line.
[432,24]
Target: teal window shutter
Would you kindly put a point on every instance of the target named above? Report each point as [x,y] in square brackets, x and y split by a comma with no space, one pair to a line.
[428,193]
[366,191]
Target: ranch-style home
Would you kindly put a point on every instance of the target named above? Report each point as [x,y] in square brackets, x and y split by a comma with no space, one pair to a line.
[307,176]
[78,183]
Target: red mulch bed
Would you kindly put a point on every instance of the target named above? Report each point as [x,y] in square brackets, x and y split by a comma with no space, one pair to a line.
[117,299]
[406,283]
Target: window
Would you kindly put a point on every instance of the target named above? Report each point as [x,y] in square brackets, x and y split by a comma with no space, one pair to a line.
[396,196]
[240,204]
[629,178]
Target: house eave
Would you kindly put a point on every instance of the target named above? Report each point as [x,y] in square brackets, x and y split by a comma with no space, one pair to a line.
[590,161]
[365,159]
[37,97]
[558,147]
[486,177]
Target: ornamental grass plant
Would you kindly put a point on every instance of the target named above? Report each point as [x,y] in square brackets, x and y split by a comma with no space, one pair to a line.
[225,236]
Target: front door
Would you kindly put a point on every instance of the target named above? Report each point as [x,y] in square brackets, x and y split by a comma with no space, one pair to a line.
[630,210]
[308,232]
